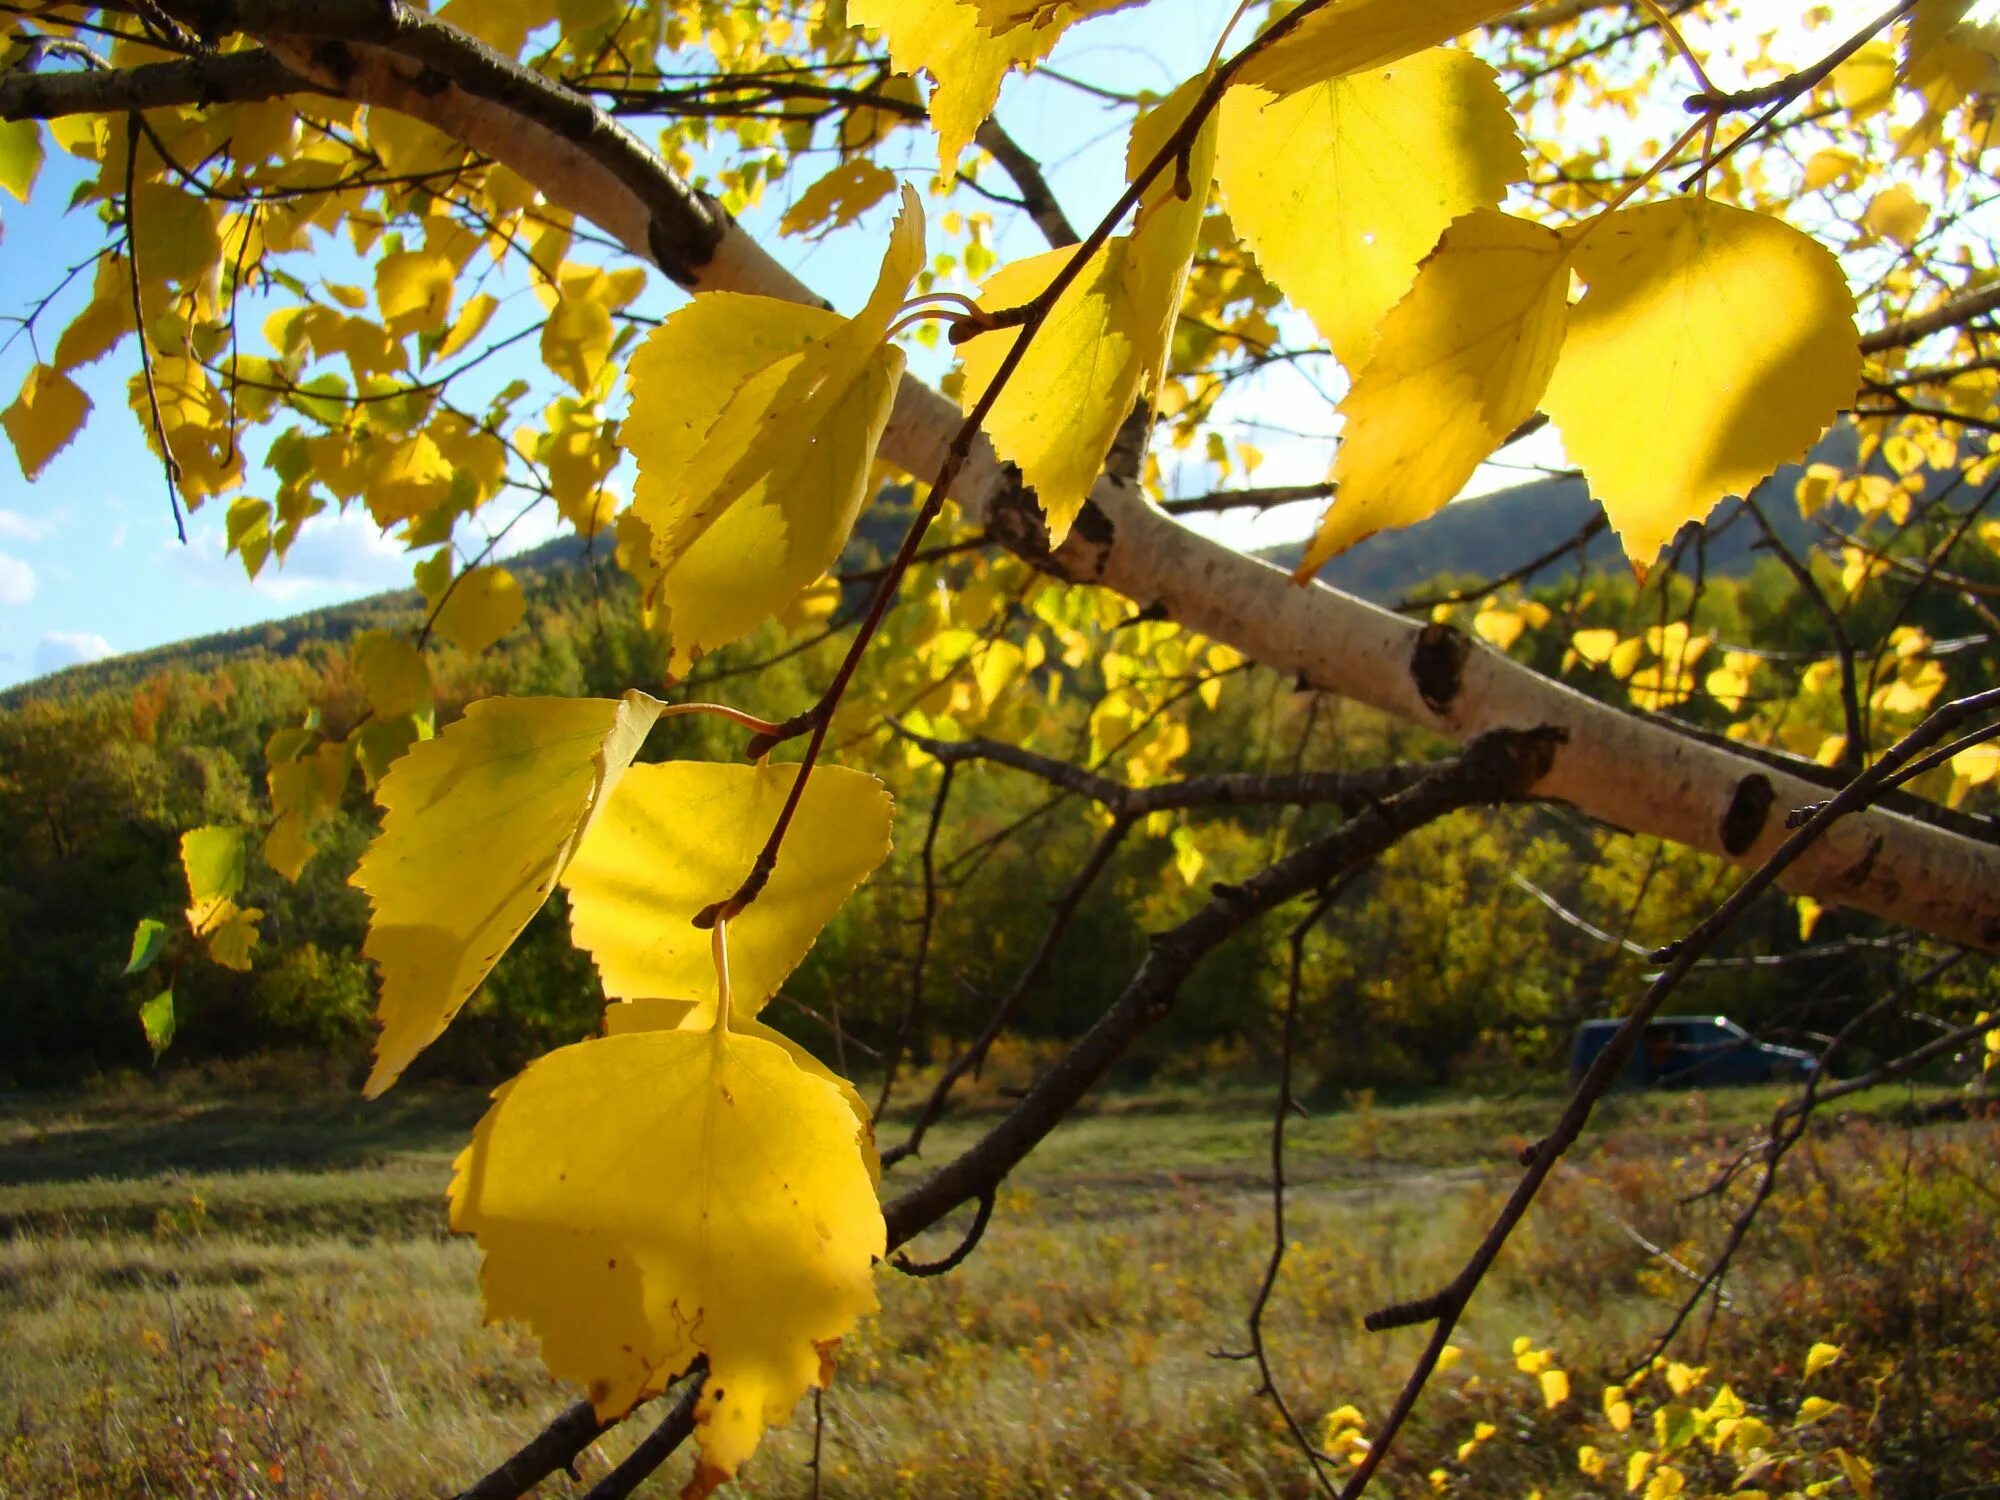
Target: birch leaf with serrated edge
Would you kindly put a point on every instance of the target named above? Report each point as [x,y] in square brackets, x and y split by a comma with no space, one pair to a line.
[646,1198]
[483,605]
[215,861]
[682,834]
[477,824]
[1106,338]
[1711,346]
[754,462]
[839,197]
[1461,363]
[966,60]
[1356,35]
[1343,188]
[45,417]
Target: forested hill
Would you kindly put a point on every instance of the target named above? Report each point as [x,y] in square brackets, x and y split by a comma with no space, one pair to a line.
[1474,538]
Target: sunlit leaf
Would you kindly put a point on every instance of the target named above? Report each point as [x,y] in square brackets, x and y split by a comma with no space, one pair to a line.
[20,156]
[839,197]
[1462,361]
[964,57]
[1355,35]
[755,424]
[393,674]
[45,416]
[483,605]
[156,1020]
[149,941]
[477,825]
[1344,187]
[657,1195]
[679,836]
[215,861]
[1713,345]
[690,1015]
[1104,340]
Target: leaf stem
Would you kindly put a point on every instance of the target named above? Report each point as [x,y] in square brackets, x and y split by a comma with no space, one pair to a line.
[718,947]
[757,726]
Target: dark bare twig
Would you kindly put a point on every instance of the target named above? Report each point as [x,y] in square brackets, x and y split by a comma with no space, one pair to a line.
[169,465]
[1281,1112]
[1788,1126]
[1578,544]
[958,1257]
[555,1447]
[1247,499]
[656,1446]
[973,1058]
[913,1009]
[1854,753]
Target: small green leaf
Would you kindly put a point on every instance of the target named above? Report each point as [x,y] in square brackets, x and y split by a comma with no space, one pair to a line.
[157,1017]
[149,940]
[20,156]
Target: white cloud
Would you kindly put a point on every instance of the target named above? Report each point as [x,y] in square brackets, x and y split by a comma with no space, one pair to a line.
[22,528]
[335,557]
[66,648]
[17,580]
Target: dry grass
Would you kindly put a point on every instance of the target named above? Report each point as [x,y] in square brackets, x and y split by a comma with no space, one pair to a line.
[253,1300]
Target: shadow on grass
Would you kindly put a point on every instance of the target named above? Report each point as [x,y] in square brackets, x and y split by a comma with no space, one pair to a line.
[73,1139]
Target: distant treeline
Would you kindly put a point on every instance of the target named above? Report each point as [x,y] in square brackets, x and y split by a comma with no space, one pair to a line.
[1447,962]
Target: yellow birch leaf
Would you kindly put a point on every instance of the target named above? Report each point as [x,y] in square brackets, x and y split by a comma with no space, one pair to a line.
[176,231]
[392,673]
[1713,345]
[1896,214]
[678,836]
[413,289]
[1356,35]
[477,825]
[287,847]
[687,1015]
[105,321]
[1866,82]
[576,340]
[20,156]
[840,197]
[755,424]
[214,860]
[1004,15]
[1065,401]
[647,1198]
[247,530]
[483,605]
[230,942]
[1105,339]
[1343,188]
[1462,362]
[44,418]
[467,326]
[1929,25]
[966,60]
[1555,1388]
[1820,1356]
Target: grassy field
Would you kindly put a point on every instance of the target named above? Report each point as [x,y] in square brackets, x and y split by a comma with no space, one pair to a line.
[258,1298]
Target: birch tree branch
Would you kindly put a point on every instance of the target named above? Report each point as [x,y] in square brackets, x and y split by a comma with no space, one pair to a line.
[1625,771]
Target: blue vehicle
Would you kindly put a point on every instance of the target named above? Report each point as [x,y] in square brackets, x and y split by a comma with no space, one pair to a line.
[1691,1052]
